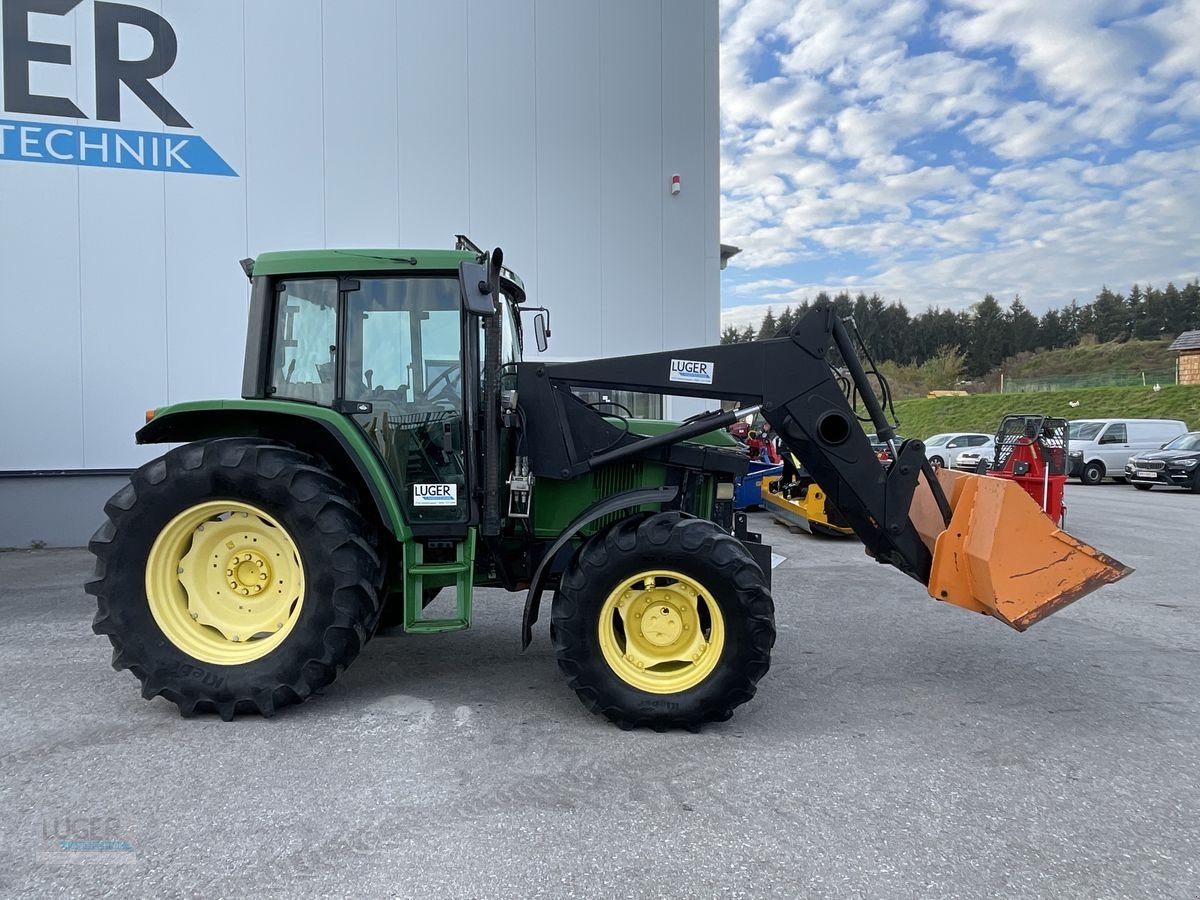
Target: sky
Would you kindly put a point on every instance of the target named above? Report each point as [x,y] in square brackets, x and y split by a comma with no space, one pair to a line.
[932,151]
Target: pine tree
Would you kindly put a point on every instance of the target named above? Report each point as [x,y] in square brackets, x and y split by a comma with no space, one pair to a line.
[1144,327]
[987,336]
[1190,297]
[1177,318]
[786,321]
[1022,328]
[1051,332]
[768,327]
[1111,316]
[729,335]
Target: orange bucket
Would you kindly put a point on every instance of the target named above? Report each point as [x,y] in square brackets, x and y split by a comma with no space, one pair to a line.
[1001,555]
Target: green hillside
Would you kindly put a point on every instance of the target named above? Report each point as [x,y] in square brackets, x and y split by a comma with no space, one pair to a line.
[1130,356]
[983,412]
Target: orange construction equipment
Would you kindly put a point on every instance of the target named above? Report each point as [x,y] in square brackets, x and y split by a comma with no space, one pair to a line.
[980,563]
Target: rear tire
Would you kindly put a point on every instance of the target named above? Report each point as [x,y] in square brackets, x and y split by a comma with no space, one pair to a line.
[1092,474]
[693,664]
[1142,487]
[937,462]
[159,577]
[982,467]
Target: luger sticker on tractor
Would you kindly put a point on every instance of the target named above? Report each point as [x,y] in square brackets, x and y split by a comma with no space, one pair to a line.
[391,443]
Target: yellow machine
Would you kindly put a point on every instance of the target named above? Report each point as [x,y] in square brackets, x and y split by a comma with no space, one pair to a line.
[796,500]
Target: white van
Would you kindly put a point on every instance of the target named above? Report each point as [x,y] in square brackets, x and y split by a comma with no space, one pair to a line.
[1099,448]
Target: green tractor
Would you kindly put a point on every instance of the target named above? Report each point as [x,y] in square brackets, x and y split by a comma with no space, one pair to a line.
[391,444]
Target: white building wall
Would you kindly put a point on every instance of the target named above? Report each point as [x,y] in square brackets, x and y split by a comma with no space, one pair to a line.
[549,127]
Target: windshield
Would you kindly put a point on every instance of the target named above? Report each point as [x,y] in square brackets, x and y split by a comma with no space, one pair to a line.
[1084,431]
[938,440]
[510,336]
[1185,442]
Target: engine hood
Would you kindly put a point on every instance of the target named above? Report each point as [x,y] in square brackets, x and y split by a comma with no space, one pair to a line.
[1169,455]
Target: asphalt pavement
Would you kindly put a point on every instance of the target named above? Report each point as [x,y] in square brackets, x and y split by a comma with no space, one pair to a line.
[897,748]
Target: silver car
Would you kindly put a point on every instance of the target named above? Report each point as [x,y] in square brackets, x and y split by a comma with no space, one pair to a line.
[943,450]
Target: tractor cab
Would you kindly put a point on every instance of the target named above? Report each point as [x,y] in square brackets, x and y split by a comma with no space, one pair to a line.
[394,340]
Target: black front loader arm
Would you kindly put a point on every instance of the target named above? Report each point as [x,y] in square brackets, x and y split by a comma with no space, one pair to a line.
[800,397]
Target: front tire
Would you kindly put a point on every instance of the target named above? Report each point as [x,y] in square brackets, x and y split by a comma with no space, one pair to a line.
[663,621]
[200,534]
[1092,474]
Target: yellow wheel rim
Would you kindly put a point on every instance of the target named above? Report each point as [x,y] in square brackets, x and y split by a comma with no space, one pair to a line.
[661,632]
[225,582]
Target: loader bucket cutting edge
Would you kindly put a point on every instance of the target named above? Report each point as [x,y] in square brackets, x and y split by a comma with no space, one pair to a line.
[1001,554]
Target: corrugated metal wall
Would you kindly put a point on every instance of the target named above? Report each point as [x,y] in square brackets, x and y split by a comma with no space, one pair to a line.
[551,127]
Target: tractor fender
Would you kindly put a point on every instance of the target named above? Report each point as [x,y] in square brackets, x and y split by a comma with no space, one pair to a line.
[550,560]
[318,430]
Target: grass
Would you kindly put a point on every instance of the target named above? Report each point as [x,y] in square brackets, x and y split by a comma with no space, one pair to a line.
[983,412]
[1130,356]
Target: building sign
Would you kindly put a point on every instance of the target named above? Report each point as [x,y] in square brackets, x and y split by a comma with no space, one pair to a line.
[78,144]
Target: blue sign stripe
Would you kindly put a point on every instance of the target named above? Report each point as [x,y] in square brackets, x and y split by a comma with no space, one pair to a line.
[109,148]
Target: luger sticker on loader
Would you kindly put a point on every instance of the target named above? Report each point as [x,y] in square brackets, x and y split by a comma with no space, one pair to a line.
[391,444]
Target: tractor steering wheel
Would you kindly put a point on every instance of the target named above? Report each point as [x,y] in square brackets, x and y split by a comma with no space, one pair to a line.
[452,375]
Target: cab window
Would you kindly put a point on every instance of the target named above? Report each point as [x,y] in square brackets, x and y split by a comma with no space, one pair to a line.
[403,356]
[1115,434]
[305,340]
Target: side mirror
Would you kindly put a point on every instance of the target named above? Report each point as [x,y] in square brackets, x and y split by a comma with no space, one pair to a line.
[541,333]
[476,286]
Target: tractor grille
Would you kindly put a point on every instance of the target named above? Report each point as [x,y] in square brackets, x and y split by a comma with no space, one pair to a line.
[613,480]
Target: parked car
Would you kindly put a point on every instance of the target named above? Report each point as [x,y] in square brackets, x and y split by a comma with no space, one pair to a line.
[976,459]
[1177,463]
[943,449]
[1100,448]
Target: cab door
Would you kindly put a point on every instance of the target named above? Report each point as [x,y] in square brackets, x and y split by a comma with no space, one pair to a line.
[1113,447]
[403,384]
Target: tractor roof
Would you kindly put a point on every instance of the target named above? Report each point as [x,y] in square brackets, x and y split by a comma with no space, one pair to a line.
[303,262]
[296,262]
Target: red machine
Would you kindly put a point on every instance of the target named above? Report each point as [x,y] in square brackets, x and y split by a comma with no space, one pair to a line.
[1032,451]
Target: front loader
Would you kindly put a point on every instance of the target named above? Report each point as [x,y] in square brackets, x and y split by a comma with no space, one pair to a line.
[391,445]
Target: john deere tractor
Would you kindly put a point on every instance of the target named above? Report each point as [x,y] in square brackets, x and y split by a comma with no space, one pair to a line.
[391,444]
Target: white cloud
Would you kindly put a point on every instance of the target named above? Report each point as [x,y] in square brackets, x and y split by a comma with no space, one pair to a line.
[945,149]
[1167,132]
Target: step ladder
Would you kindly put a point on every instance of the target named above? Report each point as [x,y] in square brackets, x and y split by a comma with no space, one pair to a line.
[415,572]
